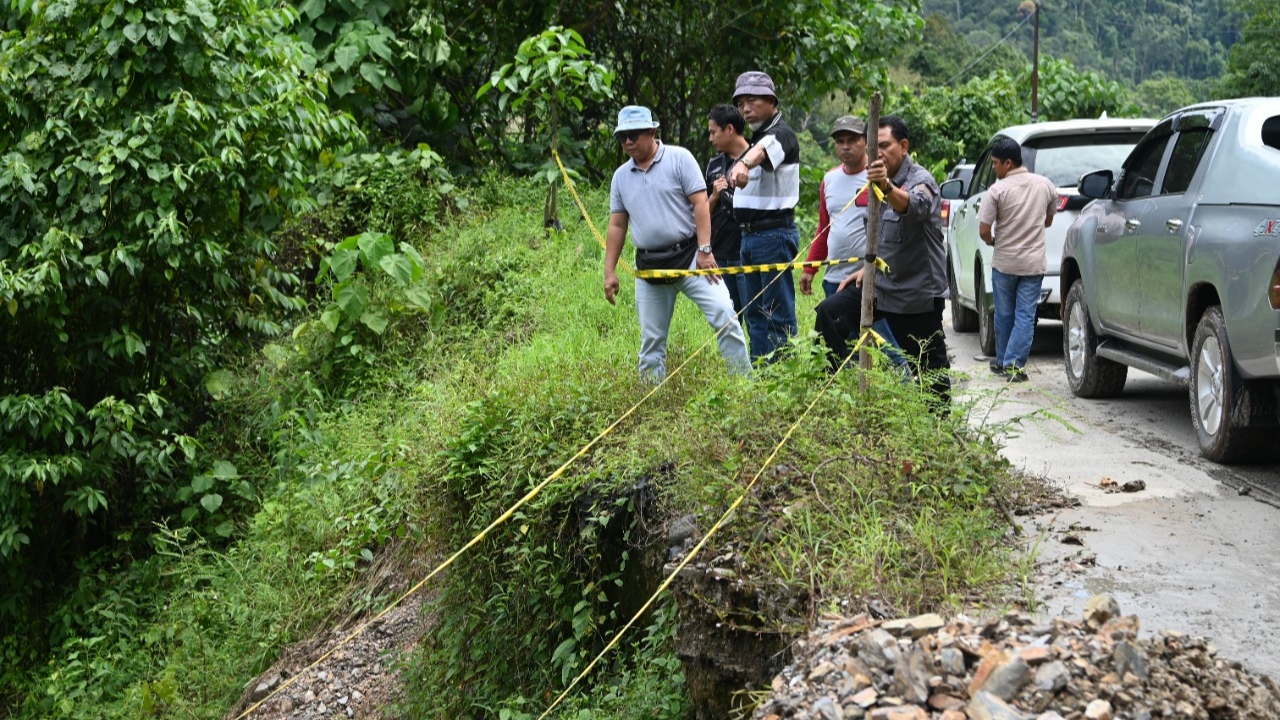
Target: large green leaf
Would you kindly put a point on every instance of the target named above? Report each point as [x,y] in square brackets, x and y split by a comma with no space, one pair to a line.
[399,267]
[375,320]
[331,317]
[352,297]
[420,297]
[373,73]
[218,383]
[418,263]
[211,502]
[375,246]
[346,56]
[312,9]
[343,262]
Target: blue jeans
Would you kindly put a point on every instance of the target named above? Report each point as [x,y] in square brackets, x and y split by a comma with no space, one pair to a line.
[771,314]
[655,305]
[735,284]
[1016,298]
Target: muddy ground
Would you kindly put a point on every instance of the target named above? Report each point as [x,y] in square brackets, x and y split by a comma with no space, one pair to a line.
[1197,550]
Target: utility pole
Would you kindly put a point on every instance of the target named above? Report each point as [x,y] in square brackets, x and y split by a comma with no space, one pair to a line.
[1035,63]
[1033,7]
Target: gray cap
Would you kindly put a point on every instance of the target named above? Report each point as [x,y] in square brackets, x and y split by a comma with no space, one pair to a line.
[849,123]
[754,82]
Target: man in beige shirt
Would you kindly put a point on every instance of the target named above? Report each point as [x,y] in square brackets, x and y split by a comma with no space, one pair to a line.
[1012,219]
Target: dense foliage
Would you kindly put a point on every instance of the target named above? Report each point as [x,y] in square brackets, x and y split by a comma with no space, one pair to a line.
[147,153]
[1128,40]
[1253,68]
[678,58]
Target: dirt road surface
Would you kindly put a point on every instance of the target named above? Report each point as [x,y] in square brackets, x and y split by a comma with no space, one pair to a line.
[1197,550]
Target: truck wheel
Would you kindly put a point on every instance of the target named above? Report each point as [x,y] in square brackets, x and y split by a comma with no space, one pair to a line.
[1218,396]
[986,318]
[962,318]
[1088,375]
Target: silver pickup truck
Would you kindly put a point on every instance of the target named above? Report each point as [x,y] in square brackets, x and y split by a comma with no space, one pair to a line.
[1175,270]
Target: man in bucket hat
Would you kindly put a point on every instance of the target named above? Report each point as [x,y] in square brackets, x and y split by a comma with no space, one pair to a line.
[660,194]
[768,178]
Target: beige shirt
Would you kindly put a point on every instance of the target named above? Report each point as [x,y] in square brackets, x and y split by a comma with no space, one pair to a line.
[1016,208]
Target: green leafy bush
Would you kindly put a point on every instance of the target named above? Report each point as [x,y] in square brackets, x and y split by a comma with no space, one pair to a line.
[147,152]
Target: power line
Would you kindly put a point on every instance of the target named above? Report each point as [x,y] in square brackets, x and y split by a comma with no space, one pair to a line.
[992,48]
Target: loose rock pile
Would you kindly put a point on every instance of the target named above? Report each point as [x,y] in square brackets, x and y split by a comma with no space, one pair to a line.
[356,681]
[1013,668]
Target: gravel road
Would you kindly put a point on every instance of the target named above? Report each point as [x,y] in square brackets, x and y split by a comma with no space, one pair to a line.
[1195,550]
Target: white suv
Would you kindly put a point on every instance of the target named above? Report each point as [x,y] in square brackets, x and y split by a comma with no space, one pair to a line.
[1061,151]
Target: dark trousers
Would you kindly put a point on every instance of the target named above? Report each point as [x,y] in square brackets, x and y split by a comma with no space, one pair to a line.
[921,338]
[836,319]
[918,334]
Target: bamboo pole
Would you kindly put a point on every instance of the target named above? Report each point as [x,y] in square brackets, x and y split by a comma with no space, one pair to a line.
[873,239]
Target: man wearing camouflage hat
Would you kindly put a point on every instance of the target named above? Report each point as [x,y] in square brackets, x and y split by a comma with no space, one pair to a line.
[768,178]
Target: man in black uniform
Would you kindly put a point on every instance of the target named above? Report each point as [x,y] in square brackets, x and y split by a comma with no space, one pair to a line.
[724,129]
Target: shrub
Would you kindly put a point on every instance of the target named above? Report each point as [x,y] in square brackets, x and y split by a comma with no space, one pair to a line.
[147,151]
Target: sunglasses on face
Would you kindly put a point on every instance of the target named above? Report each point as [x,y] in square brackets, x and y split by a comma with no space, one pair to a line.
[630,135]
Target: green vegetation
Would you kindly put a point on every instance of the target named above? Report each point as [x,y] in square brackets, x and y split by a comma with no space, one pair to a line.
[443,423]
[146,156]
[1127,40]
[277,303]
[1252,66]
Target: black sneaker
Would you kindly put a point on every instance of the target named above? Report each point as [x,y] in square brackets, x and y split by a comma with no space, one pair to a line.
[996,368]
[1016,374]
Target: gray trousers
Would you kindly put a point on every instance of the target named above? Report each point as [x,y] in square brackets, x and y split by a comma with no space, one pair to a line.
[656,303]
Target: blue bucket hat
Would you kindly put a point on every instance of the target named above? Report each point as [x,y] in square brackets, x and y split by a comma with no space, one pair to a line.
[635,117]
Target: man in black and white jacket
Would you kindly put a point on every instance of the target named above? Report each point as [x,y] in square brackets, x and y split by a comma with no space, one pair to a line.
[768,182]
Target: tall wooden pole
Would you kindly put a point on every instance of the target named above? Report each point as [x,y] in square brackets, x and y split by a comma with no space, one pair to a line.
[1035,65]
[873,238]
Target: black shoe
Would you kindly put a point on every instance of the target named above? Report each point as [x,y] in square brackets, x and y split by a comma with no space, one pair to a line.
[996,368]
[1016,374]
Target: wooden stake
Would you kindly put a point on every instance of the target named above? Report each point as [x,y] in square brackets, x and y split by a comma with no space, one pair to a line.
[873,239]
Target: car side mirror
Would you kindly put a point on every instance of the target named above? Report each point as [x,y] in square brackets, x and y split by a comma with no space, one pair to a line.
[952,189]
[1096,184]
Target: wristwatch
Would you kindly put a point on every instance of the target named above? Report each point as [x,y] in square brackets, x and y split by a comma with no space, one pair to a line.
[704,249]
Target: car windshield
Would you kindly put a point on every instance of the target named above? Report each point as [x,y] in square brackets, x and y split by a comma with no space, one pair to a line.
[1064,158]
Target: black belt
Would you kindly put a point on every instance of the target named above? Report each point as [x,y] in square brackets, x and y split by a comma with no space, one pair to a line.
[670,248]
[765,224]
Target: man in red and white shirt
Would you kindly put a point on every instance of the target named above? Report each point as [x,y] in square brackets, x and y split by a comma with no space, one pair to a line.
[842,231]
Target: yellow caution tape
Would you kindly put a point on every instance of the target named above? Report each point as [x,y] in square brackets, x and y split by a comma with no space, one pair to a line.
[868,333]
[583,209]
[772,267]
[741,269]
